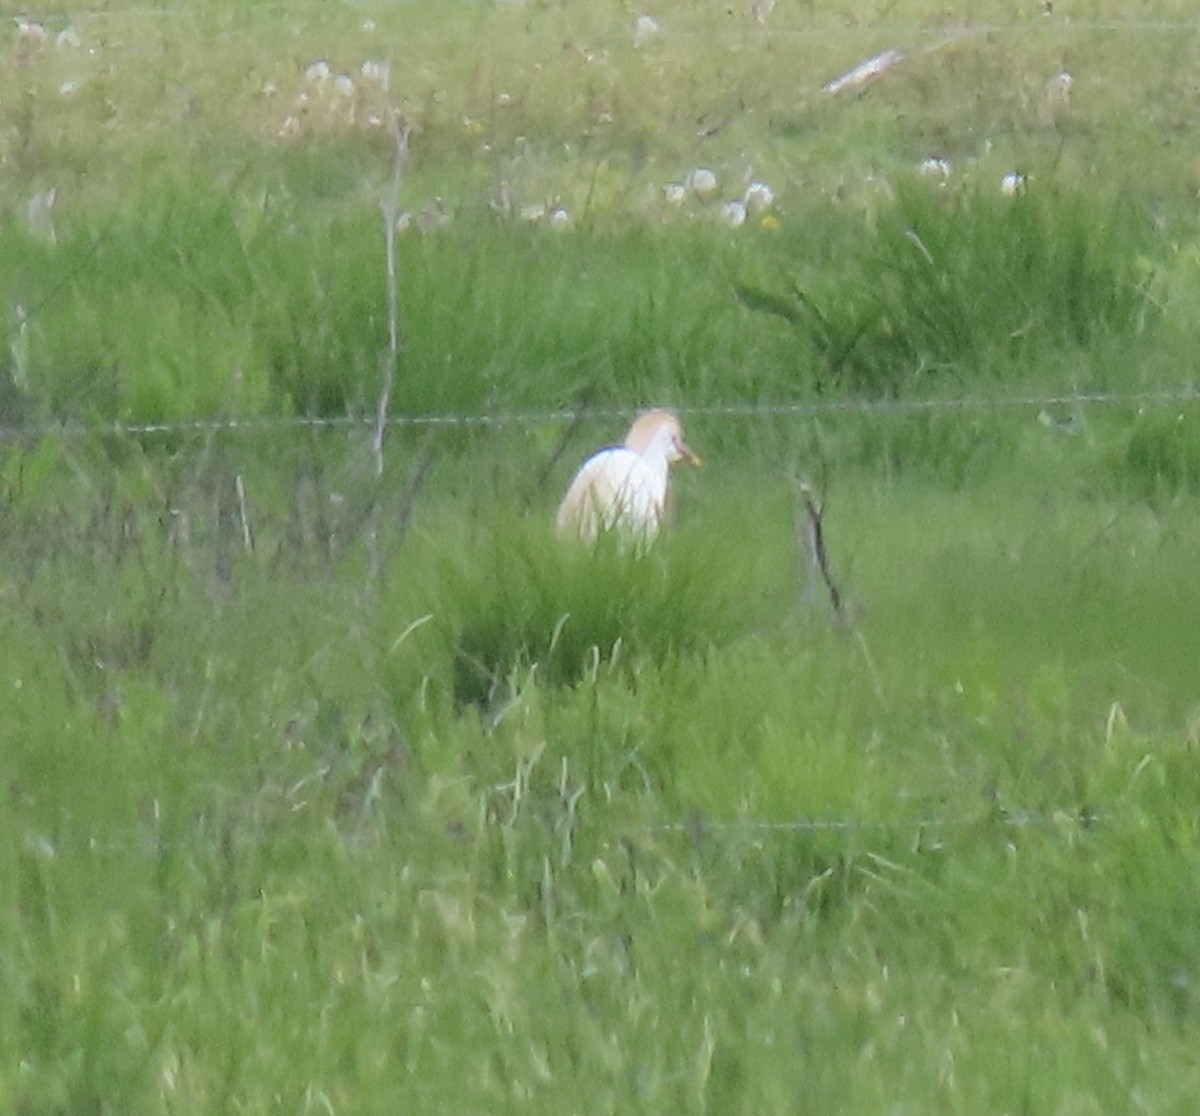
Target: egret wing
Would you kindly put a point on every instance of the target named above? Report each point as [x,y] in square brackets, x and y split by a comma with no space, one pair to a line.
[613,490]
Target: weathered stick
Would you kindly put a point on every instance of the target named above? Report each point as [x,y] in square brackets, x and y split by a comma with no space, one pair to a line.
[247,533]
[542,477]
[389,206]
[412,489]
[810,538]
[401,130]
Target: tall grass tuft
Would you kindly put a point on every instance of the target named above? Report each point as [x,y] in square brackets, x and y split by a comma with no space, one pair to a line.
[1160,454]
[562,609]
[949,287]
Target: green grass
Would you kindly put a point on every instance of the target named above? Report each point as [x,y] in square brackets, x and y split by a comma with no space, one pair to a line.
[971,287]
[515,826]
[255,827]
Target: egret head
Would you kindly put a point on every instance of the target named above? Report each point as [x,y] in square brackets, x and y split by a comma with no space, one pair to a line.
[660,432]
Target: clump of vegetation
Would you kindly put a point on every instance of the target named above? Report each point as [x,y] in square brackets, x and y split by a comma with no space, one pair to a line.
[958,286]
[1161,454]
[562,610]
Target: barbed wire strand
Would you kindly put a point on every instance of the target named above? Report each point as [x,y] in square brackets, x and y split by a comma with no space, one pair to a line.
[152,844]
[266,424]
[1019,819]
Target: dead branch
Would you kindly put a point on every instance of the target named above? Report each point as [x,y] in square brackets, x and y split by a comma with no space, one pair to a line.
[247,533]
[542,477]
[389,207]
[810,540]
[416,481]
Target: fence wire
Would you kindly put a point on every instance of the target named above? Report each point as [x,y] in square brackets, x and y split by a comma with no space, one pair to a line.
[151,844]
[251,425]
[1014,819]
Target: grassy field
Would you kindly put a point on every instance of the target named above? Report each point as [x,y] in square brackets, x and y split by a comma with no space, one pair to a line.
[335,793]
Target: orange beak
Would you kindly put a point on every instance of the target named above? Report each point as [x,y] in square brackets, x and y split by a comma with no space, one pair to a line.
[686,454]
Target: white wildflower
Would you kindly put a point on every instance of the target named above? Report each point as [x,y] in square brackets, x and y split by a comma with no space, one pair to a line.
[733,213]
[935,167]
[375,71]
[1012,184]
[761,9]
[675,193]
[701,181]
[318,71]
[758,196]
[30,31]
[1059,89]
[645,29]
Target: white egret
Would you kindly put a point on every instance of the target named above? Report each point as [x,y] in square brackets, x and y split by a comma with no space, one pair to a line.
[624,488]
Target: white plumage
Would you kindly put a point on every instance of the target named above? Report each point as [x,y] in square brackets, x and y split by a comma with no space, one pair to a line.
[624,489]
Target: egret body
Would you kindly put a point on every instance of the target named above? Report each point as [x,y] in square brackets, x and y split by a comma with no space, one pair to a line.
[624,489]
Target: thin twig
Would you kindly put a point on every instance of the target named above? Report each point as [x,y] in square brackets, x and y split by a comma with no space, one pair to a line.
[560,447]
[389,206]
[810,537]
[247,534]
[416,481]
[401,130]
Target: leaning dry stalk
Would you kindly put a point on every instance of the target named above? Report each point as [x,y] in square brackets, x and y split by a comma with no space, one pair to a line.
[810,538]
[247,533]
[401,130]
[389,206]
[412,489]
[560,447]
